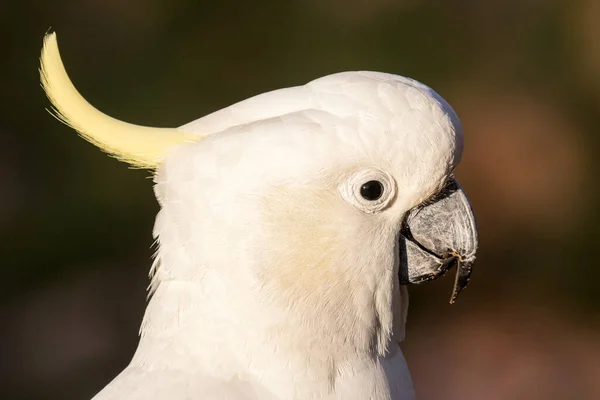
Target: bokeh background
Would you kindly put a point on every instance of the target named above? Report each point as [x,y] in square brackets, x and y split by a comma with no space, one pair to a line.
[523,75]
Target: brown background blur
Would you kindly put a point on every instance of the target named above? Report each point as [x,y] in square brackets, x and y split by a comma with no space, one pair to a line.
[523,75]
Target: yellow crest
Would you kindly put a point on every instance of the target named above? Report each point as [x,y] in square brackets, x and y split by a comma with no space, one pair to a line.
[140,146]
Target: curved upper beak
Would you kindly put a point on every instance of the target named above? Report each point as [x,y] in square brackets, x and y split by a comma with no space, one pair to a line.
[438,236]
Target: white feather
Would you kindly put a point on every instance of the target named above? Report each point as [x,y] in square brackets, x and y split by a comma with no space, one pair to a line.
[267,283]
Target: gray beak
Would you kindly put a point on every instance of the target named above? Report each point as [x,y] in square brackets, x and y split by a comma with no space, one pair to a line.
[438,236]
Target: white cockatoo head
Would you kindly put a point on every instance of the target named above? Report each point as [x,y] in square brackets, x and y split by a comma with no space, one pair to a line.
[318,198]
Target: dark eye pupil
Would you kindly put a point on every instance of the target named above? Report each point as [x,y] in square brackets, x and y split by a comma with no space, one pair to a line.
[371,190]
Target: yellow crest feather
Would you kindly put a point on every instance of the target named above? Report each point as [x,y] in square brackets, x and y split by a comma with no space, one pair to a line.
[140,146]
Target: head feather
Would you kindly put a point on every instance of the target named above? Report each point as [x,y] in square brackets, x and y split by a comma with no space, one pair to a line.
[140,146]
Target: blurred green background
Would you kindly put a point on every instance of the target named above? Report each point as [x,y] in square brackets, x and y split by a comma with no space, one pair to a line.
[523,75]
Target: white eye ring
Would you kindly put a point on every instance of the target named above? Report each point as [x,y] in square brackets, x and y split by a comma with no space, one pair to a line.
[351,190]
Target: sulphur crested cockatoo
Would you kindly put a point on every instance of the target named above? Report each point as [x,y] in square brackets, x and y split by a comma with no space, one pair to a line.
[289,224]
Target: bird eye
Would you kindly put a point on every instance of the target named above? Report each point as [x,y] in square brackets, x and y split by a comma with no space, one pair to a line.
[371,190]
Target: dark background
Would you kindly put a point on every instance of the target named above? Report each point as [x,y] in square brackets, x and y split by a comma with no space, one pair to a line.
[523,75]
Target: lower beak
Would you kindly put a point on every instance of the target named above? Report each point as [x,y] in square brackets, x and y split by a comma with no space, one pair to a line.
[438,236]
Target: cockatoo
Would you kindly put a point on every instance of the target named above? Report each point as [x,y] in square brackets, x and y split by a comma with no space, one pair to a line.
[289,225]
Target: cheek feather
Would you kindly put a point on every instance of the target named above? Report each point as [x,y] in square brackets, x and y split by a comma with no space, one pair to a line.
[326,261]
[304,234]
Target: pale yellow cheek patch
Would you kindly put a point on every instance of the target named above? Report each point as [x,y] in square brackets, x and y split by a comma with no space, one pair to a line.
[306,230]
[329,265]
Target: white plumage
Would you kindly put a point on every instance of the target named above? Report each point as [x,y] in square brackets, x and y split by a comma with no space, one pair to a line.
[274,278]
